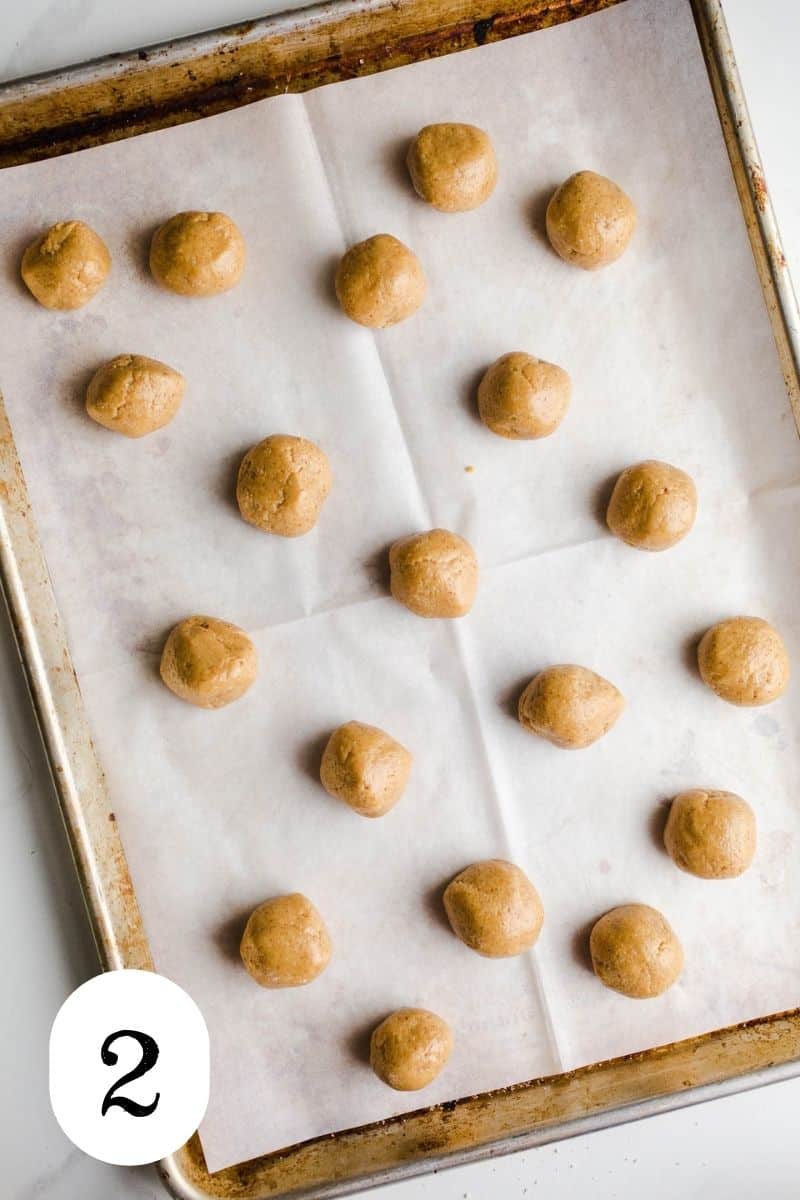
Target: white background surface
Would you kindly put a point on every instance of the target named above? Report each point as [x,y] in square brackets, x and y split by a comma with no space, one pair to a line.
[44,945]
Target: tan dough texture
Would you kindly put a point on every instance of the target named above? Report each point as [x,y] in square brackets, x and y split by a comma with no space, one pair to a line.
[134,395]
[380,282]
[365,767]
[452,166]
[409,1049]
[208,662]
[283,483]
[285,942]
[494,909]
[635,951]
[711,834]
[653,505]
[744,661]
[66,266]
[198,254]
[435,574]
[523,397]
[590,220]
[570,706]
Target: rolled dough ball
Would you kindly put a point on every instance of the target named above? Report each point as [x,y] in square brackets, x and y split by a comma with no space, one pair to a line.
[494,909]
[452,166]
[283,483]
[653,505]
[134,395]
[380,282]
[198,254]
[711,834]
[66,266]
[435,574]
[590,220]
[523,397]
[570,706]
[410,1048]
[208,662]
[744,661]
[635,951]
[365,768]
[285,942]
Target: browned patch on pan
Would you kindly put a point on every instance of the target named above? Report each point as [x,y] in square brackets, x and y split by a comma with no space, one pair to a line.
[506,1113]
[164,86]
[760,193]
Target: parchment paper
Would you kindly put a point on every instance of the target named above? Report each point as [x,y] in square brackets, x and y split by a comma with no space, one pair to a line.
[671,357]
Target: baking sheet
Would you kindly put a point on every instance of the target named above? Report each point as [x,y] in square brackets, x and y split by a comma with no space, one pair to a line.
[671,356]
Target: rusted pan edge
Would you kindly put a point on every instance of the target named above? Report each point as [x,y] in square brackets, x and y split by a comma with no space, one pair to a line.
[123,95]
[762,227]
[77,775]
[495,1123]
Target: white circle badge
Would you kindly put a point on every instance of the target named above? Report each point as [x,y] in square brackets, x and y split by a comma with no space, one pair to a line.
[129,1067]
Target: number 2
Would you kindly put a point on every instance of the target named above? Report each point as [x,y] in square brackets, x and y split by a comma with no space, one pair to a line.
[149,1048]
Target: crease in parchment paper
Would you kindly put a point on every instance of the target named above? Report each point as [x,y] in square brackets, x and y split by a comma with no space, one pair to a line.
[347,240]
[671,357]
[507,816]
[505,842]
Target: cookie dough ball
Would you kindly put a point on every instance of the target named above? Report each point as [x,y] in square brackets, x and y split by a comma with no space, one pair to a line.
[744,661]
[635,951]
[283,483]
[570,706]
[711,834]
[380,282]
[198,254]
[452,166]
[134,395]
[590,220]
[365,768]
[410,1048]
[523,397]
[435,574]
[67,266]
[653,505]
[494,909]
[208,662]
[285,942]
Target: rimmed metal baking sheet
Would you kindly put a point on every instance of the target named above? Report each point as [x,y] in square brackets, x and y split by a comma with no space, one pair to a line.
[296,50]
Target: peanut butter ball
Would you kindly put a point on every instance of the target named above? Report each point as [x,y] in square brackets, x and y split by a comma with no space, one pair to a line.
[523,397]
[380,282]
[285,942]
[434,574]
[283,483]
[198,254]
[744,661]
[570,706]
[635,951]
[409,1049]
[208,662]
[494,909]
[653,505]
[134,395]
[66,266]
[452,166]
[365,768]
[590,220]
[711,834]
